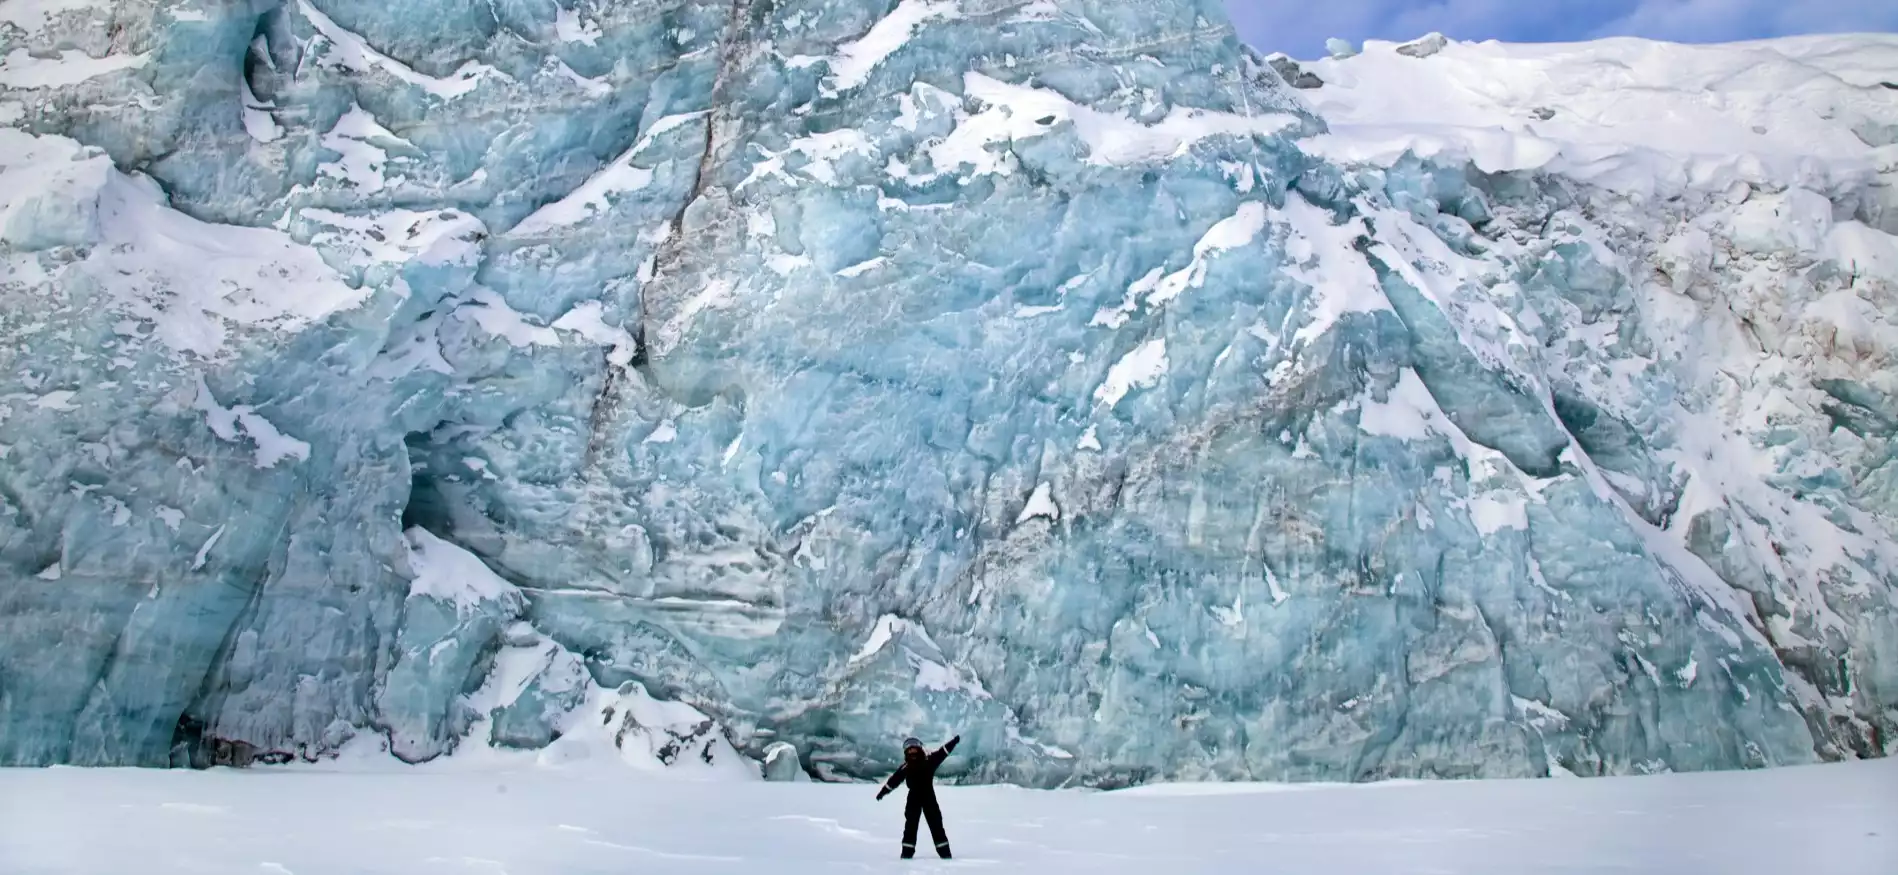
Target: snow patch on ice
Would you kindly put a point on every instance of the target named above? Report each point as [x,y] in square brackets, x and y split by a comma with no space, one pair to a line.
[271,445]
[934,672]
[571,27]
[586,320]
[450,574]
[441,237]
[187,283]
[363,144]
[24,70]
[1040,504]
[1493,512]
[595,196]
[1019,112]
[349,51]
[854,60]
[1323,255]
[1138,369]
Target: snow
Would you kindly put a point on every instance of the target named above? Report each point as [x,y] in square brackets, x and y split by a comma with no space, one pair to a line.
[489,310]
[1628,115]
[1539,715]
[665,125]
[271,445]
[1323,255]
[1859,249]
[453,575]
[32,16]
[1792,221]
[20,69]
[880,636]
[851,65]
[595,196]
[1232,232]
[1408,413]
[440,237]
[204,550]
[570,27]
[586,817]
[588,320]
[1279,595]
[258,122]
[594,87]
[1140,368]
[192,281]
[1497,511]
[820,151]
[716,295]
[1040,504]
[1118,316]
[932,668]
[352,53]
[1019,112]
[666,432]
[602,191]
[360,142]
[862,267]
[60,400]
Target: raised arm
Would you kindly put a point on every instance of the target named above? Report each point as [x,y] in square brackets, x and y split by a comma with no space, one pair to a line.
[894,780]
[944,752]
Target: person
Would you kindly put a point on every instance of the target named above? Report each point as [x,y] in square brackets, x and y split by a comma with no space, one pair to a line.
[919,772]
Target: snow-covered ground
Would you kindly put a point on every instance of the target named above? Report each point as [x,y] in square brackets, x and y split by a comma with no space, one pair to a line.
[1825,820]
[1628,115]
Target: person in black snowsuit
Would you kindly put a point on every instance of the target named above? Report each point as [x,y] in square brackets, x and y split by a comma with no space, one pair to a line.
[919,772]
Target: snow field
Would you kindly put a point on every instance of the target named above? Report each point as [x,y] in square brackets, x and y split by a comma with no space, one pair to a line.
[1835,819]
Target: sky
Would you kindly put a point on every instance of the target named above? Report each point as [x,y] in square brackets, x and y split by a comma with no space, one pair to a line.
[1299,27]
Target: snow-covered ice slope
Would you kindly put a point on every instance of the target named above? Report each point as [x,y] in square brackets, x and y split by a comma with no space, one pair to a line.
[676,382]
[1718,224]
[1835,819]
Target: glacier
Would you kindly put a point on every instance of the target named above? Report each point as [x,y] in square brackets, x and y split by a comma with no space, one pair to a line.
[705,385]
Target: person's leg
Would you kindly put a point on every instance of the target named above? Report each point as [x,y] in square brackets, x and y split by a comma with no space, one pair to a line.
[910,812]
[934,813]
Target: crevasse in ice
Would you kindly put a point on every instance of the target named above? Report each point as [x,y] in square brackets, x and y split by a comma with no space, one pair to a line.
[698,378]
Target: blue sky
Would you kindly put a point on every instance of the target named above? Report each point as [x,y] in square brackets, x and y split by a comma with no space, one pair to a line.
[1299,27]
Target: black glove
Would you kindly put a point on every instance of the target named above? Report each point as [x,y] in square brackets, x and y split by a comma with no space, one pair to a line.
[882,793]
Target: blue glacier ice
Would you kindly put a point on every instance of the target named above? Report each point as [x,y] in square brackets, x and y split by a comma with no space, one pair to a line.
[772,380]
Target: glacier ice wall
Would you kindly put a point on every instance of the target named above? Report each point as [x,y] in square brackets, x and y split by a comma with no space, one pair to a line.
[823,372]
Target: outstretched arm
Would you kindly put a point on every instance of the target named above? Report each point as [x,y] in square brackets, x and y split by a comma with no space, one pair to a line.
[894,780]
[944,752]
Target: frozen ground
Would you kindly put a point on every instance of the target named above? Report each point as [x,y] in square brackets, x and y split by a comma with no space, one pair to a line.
[1833,819]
